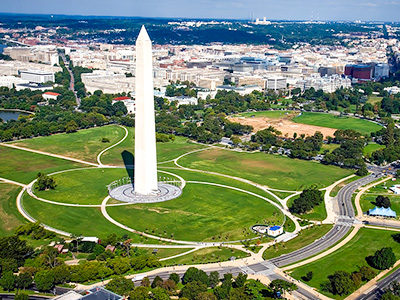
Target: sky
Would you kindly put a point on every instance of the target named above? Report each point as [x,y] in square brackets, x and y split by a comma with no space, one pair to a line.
[346,10]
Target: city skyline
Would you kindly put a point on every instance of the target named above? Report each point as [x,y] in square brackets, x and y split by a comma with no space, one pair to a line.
[340,10]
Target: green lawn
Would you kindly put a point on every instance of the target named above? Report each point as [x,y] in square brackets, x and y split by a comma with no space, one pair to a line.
[331,121]
[374,99]
[23,166]
[10,218]
[272,170]
[349,257]
[163,252]
[329,147]
[372,147]
[202,213]
[84,144]
[306,237]
[273,114]
[77,220]
[207,255]
[318,213]
[165,151]
[86,186]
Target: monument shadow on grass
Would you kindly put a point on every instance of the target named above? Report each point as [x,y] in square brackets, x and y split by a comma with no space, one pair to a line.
[128,159]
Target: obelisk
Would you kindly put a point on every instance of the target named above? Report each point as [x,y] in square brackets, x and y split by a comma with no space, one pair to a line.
[145,180]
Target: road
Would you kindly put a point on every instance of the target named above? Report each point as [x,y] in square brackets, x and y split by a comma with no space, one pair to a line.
[377,290]
[72,80]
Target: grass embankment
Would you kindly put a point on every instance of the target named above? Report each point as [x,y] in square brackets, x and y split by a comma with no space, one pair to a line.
[349,257]
[202,213]
[10,218]
[272,170]
[331,121]
[207,255]
[23,166]
[337,187]
[305,237]
[84,144]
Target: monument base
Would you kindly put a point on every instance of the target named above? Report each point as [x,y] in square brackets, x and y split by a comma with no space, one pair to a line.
[126,193]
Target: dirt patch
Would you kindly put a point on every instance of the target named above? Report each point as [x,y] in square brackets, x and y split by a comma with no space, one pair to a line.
[284,125]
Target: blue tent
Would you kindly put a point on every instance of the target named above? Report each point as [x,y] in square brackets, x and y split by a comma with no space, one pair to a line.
[383,212]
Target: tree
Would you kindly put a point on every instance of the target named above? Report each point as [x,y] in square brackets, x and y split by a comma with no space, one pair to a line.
[139,293]
[340,283]
[24,280]
[192,289]
[194,274]
[160,294]
[205,296]
[174,277]
[213,279]
[279,285]
[308,276]
[12,247]
[362,171]
[382,259]
[145,282]
[309,198]
[71,127]
[382,201]
[240,280]
[156,282]
[120,285]
[7,281]
[44,280]
[45,182]
[367,273]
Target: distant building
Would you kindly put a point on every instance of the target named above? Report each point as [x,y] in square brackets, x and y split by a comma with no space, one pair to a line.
[392,90]
[184,100]
[50,95]
[275,83]
[37,76]
[242,90]
[362,72]
[395,189]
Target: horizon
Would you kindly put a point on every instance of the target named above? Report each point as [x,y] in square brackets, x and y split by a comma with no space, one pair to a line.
[288,10]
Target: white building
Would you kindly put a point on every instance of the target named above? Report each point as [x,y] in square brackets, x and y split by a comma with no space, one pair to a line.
[128,102]
[50,95]
[10,81]
[108,82]
[275,230]
[328,84]
[395,189]
[37,76]
[184,100]
[275,83]
[392,90]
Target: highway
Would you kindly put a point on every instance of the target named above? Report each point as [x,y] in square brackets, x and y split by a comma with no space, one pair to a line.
[377,290]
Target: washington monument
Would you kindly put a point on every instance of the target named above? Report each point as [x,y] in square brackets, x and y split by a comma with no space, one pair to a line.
[145,180]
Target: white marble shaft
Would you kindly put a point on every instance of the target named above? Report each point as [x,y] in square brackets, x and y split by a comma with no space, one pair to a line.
[145,133]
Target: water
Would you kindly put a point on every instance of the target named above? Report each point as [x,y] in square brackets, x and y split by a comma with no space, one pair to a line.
[10,115]
[2,48]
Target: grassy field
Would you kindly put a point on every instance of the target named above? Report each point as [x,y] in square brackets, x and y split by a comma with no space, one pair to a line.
[77,220]
[349,257]
[331,121]
[272,170]
[165,151]
[329,147]
[374,99]
[372,147]
[23,166]
[306,237]
[318,213]
[163,252]
[202,213]
[381,189]
[84,144]
[86,186]
[208,255]
[272,114]
[10,218]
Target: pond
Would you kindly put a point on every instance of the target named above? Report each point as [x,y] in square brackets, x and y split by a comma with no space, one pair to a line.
[8,115]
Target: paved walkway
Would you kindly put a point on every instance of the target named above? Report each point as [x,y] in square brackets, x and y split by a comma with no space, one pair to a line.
[12,182]
[112,146]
